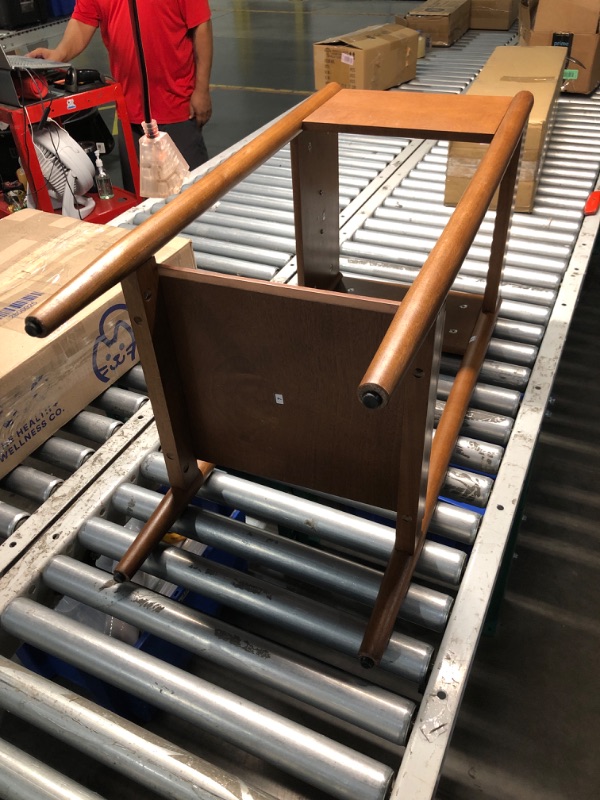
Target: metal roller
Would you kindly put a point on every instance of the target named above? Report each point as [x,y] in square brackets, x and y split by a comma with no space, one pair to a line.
[428,167]
[356,149]
[63,453]
[467,487]
[23,777]
[510,291]
[518,273]
[278,167]
[237,210]
[570,164]
[574,195]
[252,188]
[249,186]
[453,522]
[524,355]
[354,179]
[403,204]
[570,209]
[258,178]
[119,744]
[135,380]
[545,259]
[256,225]
[377,144]
[492,428]
[369,707]
[143,216]
[337,769]
[155,207]
[10,519]
[555,246]
[496,373]
[497,399]
[519,331]
[382,262]
[234,266]
[410,194]
[429,226]
[353,173]
[474,454]
[359,168]
[351,155]
[438,87]
[527,313]
[260,255]
[558,243]
[241,236]
[120,403]
[565,171]
[405,656]
[31,483]
[316,568]
[416,181]
[425,176]
[405,220]
[577,188]
[338,527]
[252,201]
[475,265]
[95,427]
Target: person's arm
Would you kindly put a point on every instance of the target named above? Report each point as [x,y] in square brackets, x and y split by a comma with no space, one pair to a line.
[76,38]
[200,102]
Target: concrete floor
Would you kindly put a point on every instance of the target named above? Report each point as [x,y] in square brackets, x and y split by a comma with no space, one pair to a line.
[529,724]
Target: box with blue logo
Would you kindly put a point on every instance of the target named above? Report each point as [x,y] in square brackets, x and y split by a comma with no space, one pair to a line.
[46,382]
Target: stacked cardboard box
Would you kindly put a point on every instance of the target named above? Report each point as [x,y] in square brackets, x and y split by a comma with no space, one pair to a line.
[377,57]
[574,25]
[443,21]
[45,382]
[508,71]
[493,15]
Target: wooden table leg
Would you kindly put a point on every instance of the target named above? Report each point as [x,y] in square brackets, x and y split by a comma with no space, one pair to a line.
[164,515]
[401,566]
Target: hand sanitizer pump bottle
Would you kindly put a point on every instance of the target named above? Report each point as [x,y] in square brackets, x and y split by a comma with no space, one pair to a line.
[103,181]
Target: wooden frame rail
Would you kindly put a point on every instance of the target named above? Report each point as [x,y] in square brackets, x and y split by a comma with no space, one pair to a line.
[404,330]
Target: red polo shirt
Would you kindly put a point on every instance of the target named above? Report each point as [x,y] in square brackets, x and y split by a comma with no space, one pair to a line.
[165,26]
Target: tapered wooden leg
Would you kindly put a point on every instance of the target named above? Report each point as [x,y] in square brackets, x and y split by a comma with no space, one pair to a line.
[401,566]
[164,515]
[388,602]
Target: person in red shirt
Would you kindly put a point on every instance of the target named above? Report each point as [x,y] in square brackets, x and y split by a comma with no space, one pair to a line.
[177,41]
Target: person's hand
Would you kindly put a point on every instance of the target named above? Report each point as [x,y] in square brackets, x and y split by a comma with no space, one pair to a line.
[200,106]
[43,52]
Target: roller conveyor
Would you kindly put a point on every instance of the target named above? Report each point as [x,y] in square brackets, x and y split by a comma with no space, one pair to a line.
[274,672]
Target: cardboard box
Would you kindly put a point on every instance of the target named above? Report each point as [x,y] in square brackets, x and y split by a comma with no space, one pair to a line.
[376,57]
[424,45]
[493,15]
[574,25]
[508,71]
[46,382]
[444,21]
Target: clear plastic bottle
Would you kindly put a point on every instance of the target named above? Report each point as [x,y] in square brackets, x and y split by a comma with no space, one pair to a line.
[103,181]
[22,178]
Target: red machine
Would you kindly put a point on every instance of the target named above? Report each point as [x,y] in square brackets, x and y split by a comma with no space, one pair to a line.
[20,121]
